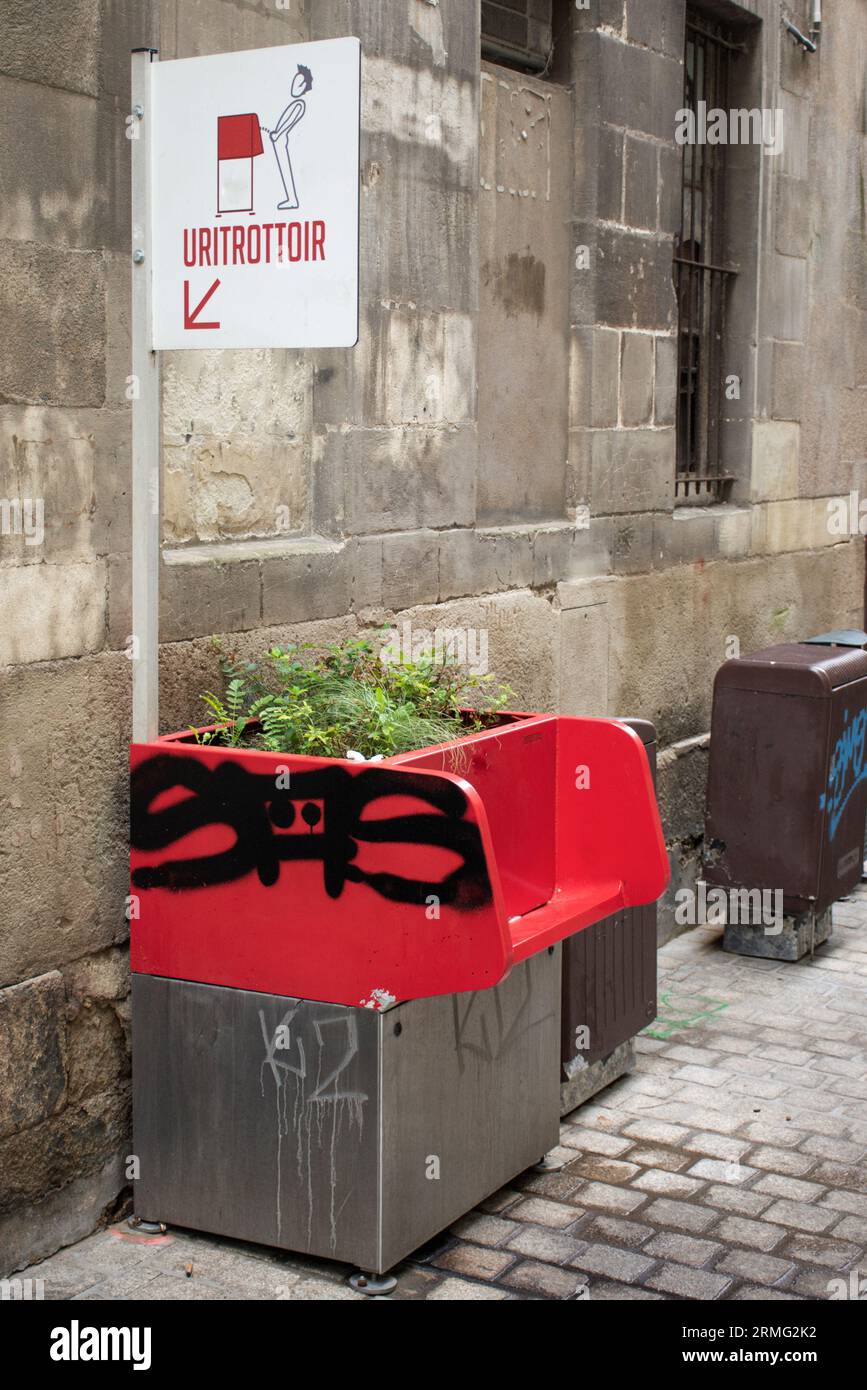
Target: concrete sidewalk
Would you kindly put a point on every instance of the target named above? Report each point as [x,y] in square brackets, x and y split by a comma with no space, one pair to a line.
[729,1165]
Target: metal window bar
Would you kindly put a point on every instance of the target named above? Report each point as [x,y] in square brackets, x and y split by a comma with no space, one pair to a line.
[701,276]
[517,32]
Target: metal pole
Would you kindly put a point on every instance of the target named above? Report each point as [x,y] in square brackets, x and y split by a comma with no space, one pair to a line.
[145,387]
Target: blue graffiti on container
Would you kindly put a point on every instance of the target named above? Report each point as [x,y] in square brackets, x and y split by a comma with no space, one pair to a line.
[848,769]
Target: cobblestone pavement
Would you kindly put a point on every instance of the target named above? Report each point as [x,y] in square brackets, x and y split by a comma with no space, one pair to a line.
[729,1165]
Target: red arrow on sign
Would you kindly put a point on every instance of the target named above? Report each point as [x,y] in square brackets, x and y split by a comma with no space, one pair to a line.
[191,317]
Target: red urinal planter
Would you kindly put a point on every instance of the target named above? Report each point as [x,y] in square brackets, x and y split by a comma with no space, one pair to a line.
[364,883]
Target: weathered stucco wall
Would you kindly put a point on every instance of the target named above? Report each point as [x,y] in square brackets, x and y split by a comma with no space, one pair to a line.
[311,494]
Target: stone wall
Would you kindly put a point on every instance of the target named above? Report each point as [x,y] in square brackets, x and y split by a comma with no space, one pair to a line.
[312,495]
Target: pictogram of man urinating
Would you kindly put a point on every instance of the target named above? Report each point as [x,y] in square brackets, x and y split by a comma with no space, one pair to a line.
[302,82]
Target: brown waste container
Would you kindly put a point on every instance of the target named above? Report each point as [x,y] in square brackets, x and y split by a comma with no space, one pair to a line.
[787,782]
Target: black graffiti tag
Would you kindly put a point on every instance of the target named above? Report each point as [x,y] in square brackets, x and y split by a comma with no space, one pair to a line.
[253,807]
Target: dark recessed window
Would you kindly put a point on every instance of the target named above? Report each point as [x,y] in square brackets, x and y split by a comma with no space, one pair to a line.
[702,275]
[518,33]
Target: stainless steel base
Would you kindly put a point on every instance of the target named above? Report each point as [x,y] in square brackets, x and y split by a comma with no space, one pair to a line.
[345,1133]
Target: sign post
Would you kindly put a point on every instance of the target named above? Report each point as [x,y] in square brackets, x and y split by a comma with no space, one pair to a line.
[146,423]
[245,170]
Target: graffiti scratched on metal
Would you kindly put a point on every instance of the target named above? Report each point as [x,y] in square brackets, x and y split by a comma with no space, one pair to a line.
[315,1097]
[486,1029]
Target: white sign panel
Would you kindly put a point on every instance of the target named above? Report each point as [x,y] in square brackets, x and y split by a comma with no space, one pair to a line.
[254,197]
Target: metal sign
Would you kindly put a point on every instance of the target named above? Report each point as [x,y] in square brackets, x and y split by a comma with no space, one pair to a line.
[244,235]
[254,175]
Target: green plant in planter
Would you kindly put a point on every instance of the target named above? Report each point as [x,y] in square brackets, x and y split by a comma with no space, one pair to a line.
[349,699]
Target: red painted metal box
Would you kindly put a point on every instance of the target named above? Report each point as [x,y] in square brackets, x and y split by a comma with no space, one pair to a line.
[364,883]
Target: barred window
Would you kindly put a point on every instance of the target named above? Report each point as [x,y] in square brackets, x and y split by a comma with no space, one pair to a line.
[702,276]
[518,32]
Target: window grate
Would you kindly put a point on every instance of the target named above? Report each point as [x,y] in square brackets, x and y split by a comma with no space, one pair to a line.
[518,32]
[702,277]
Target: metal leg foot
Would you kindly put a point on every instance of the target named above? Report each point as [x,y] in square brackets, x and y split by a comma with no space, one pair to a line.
[549,1163]
[146,1228]
[372,1285]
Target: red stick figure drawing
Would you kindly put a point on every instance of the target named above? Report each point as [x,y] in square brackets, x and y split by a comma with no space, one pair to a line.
[288,120]
[238,144]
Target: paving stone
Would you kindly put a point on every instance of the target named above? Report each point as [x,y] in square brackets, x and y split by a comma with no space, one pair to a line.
[559,1186]
[837,1049]
[716,1146]
[615,1199]
[667,1184]
[499,1201]
[700,1117]
[659,1158]
[611,1230]
[596,1169]
[416,1283]
[655,1132]
[166,1288]
[840,1066]
[847,1086]
[855,1203]
[836,1149]
[734,1044]
[704,1097]
[544,1213]
[718,1170]
[822,1250]
[628,1090]
[692,1056]
[802,1216]
[548,1280]
[741,1200]
[758,1235]
[794,1188]
[605,1292]
[815,1283]
[591,1141]
[852,1228]
[764,1132]
[665,1212]
[689,1283]
[756,1088]
[684,1250]
[478,1261]
[541,1243]
[789,1056]
[485,1230]
[749,1264]
[750,1294]
[601,1117]
[760,1068]
[782,1161]
[804,1101]
[614,1262]
[118,1287]
[453,1289]
[703,1076]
